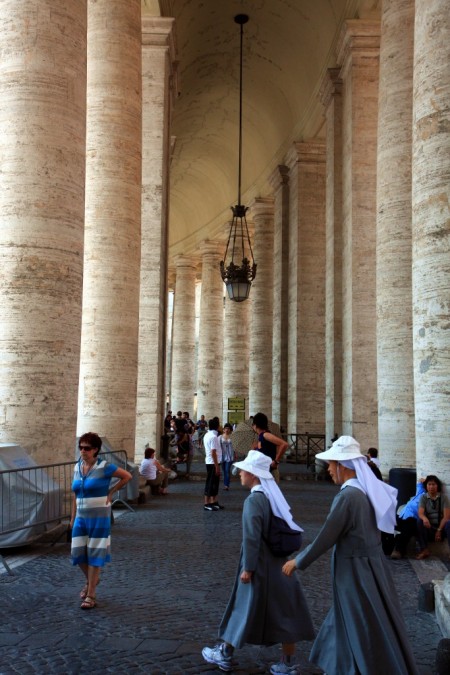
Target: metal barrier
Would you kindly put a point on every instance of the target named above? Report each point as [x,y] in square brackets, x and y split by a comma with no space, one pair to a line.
[36,496]
[304,447]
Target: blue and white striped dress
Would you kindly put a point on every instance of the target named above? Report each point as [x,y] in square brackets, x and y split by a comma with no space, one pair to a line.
[91,529]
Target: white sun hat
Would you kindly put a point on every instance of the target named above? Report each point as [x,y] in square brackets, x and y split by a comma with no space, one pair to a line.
[344,448]
[257,464]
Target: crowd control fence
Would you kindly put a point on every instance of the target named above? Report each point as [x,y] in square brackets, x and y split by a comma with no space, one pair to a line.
[303,448]
[34,497]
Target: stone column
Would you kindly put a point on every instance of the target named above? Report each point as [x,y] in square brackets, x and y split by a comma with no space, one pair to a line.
[109,343]
[260,373]
[358,53]
[331,95]
[396,430]
[236,352]
[279,181]
[183,336]
[210,340]
[306,383]
[158,88]
[431,236]
[42,146]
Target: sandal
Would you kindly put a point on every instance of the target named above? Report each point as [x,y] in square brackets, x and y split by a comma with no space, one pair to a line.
[84,590]
[88,603]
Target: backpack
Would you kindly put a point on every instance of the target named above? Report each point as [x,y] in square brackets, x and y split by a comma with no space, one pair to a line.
[282,539]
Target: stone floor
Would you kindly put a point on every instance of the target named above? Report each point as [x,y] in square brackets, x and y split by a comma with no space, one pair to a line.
[161,599]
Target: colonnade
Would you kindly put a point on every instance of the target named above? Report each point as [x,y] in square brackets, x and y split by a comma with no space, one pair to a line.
[346,330]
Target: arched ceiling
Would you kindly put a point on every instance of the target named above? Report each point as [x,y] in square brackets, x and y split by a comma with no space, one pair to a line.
[288,44]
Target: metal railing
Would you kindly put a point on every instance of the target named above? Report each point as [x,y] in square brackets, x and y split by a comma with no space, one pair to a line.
[37,496]
[304,447]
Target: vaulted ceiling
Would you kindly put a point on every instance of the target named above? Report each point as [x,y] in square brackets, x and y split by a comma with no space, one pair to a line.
[288,45]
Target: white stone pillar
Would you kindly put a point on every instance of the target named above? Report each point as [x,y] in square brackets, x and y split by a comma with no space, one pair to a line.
[431,236]
[158,83]
[358,53]
[236,352]
[210,341]
[109,344]
[331,95]
[260,373]
[42,148]
[183,336]
[306,379]
[396,432]
[279,181]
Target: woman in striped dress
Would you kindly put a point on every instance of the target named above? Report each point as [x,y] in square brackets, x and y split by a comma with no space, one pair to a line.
[91,512]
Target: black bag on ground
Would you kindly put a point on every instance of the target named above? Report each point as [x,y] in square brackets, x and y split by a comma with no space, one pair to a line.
[282,539]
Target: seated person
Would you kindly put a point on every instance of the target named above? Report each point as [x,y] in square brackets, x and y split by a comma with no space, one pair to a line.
[433,523]
[407,515]
[156,474]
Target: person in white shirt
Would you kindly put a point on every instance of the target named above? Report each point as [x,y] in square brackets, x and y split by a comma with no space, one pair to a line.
[156,474]
[213,459]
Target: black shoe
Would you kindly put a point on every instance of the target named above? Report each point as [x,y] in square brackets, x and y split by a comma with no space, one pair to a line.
[218,506]
[209,507]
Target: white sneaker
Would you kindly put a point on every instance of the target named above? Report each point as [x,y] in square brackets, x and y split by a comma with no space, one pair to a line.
[217,656]
[283,668]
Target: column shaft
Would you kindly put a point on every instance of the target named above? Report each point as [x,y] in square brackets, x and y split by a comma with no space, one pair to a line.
[183,336]
[236,352]
[306,385]
[393,273]
[280,184]
[431,236]
[158,55]
[359,55]
[109,350]
[260,374]
[210,341]
[332,100]
[42,146]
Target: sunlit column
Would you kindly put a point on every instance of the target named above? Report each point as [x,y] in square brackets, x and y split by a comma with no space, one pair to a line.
[210,340]
[279,181]
[158,89]
[109,343]
[42,179]
[331,95]
[358,54]
[396,431]
[307,248]
[431,236]
[260,374]
[183,336]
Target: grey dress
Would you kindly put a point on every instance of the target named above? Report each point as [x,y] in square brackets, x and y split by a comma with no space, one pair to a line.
[271,608]
[364,632]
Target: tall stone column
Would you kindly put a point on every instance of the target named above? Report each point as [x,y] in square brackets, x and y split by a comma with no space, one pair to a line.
[396,429]
[183,336]
[158,85]
[236,352]
[279,181]
[306,383]
[358,53]
[109,342]
[331,95]
[260,372]
[42,146]
[431,236]
[210,340]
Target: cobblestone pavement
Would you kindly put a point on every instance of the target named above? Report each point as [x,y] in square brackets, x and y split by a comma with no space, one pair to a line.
[161,599]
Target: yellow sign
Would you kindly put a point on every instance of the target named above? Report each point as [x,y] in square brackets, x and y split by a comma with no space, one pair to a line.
[236,416]
[236,403]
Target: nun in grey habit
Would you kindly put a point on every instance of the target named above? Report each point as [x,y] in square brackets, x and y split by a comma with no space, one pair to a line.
[364,632]
[265,607]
